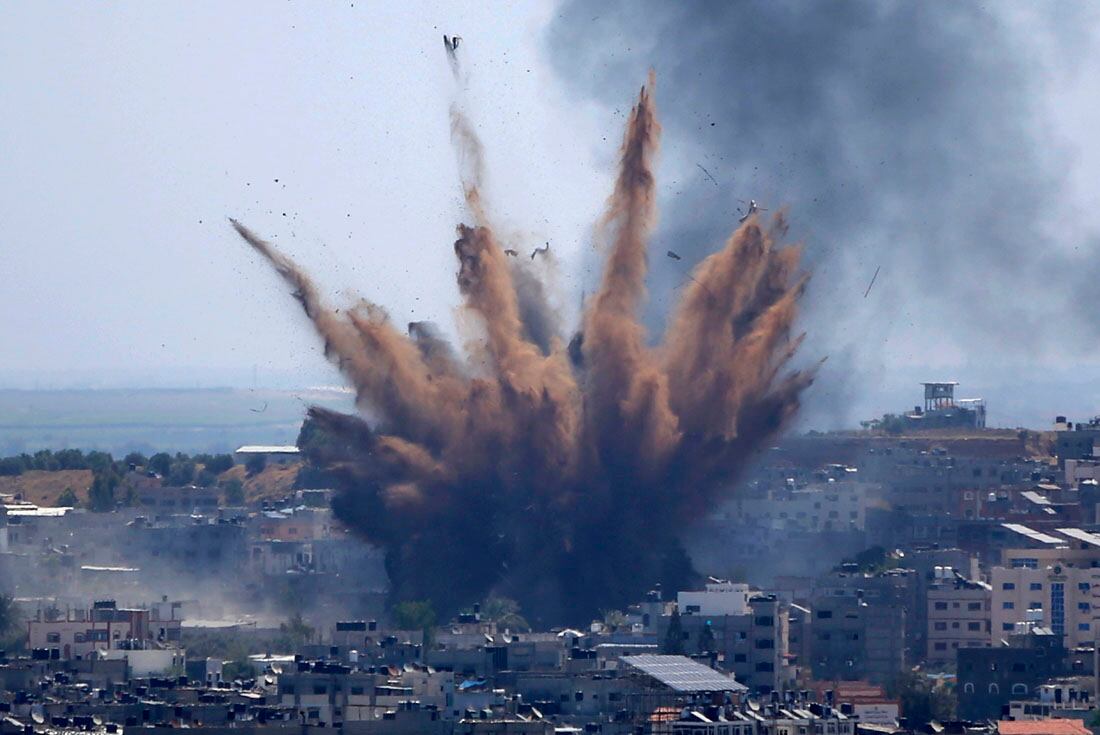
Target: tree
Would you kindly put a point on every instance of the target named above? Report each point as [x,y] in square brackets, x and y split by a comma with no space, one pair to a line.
[180,474]
[296,631]
[11,466]
[674,637]
[67,499]
[11,623]
[415,615]
[219,463]
[137,459]
[504,611]
[205,478]
[161,463]
[255,464]
[233,491]
[707,643]
[920,701]
[101,496]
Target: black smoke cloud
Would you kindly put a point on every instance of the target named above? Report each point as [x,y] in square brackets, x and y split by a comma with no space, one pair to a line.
[907,136]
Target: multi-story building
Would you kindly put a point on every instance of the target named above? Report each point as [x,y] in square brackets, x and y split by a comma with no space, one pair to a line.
[750,637]
[989,678]
[958,612]
[1059,596]
[864,625]
[76,633]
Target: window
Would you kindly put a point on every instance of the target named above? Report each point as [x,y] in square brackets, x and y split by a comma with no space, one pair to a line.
[1083,606]
[319,689]
[1082,626]
[955,625]
[941,626]
[740,658]
[941,646]
[53,638]
[941,605]
[765,666]
[1083,586]
[765,643]
[766,621]
[994,689]
[968,688]
[1008,605]
[1008,586]
[1019,688]
[823,614]
[973,606]
[974,626]
[1033,605]
[1035,586]
[356,691]
[1007,626]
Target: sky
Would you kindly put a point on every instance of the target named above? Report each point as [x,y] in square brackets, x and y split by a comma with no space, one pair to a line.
[949,147]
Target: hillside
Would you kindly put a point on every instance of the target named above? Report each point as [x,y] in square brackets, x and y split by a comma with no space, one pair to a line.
[43,487]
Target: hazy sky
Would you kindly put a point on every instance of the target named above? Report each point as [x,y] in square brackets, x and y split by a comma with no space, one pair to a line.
[131,130]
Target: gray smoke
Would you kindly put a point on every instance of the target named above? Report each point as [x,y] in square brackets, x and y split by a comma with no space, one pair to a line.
[909,137]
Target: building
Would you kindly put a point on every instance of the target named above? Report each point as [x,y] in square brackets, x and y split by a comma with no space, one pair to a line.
[1057,596]
[77,633]
[864,626]
[989,678]
[958,615]
[273,453]
[752,643]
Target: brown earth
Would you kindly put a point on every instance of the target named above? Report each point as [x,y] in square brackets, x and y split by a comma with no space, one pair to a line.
[43,487]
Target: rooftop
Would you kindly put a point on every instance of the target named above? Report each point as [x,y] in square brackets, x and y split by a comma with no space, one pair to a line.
[681,674]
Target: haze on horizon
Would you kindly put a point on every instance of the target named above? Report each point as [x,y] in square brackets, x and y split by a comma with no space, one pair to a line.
[132,131]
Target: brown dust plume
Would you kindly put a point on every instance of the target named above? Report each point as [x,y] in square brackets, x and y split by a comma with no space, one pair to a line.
[556,476]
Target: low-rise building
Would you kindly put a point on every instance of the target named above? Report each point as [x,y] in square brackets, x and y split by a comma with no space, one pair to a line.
[959,615]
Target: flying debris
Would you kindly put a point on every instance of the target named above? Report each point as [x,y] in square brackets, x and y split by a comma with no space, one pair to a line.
[510,252]
[872,283]
[259,410]
[674,256]
[451,43]
[521,453]
[540,251]
[753,209]
[704,170]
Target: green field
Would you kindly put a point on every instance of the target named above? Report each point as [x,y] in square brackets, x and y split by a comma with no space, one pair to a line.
[187,420]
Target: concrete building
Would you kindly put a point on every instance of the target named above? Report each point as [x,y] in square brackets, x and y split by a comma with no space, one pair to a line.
[989,678]
[719,597]
[77,633]
[959,616]
[1064,594]
[752,645]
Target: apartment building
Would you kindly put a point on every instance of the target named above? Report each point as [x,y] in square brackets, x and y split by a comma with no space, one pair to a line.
[1063,598]
[959,615]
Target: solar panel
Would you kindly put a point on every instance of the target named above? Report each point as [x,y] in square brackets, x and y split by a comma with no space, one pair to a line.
[1034,535]
[1081,535]
[682,674]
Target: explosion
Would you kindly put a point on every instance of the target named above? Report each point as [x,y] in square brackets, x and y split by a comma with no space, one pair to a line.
[556,474]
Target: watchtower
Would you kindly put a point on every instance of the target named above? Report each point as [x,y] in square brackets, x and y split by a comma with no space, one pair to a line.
[938,396]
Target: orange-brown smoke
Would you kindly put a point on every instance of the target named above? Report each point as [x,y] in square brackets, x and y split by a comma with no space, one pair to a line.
[558,481]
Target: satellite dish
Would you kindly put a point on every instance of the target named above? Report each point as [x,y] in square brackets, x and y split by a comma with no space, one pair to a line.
[97,720]
[38,718]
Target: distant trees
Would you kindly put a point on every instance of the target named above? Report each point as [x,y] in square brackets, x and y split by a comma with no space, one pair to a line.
[161,463]
[215,463]
[255,464]
[67,499]
[415,615]
[11,467]
[233,491]
[919,700]
[504,611]
[296,632]
[674,636]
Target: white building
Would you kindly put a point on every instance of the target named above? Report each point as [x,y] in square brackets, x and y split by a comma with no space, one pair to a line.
[719,598]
